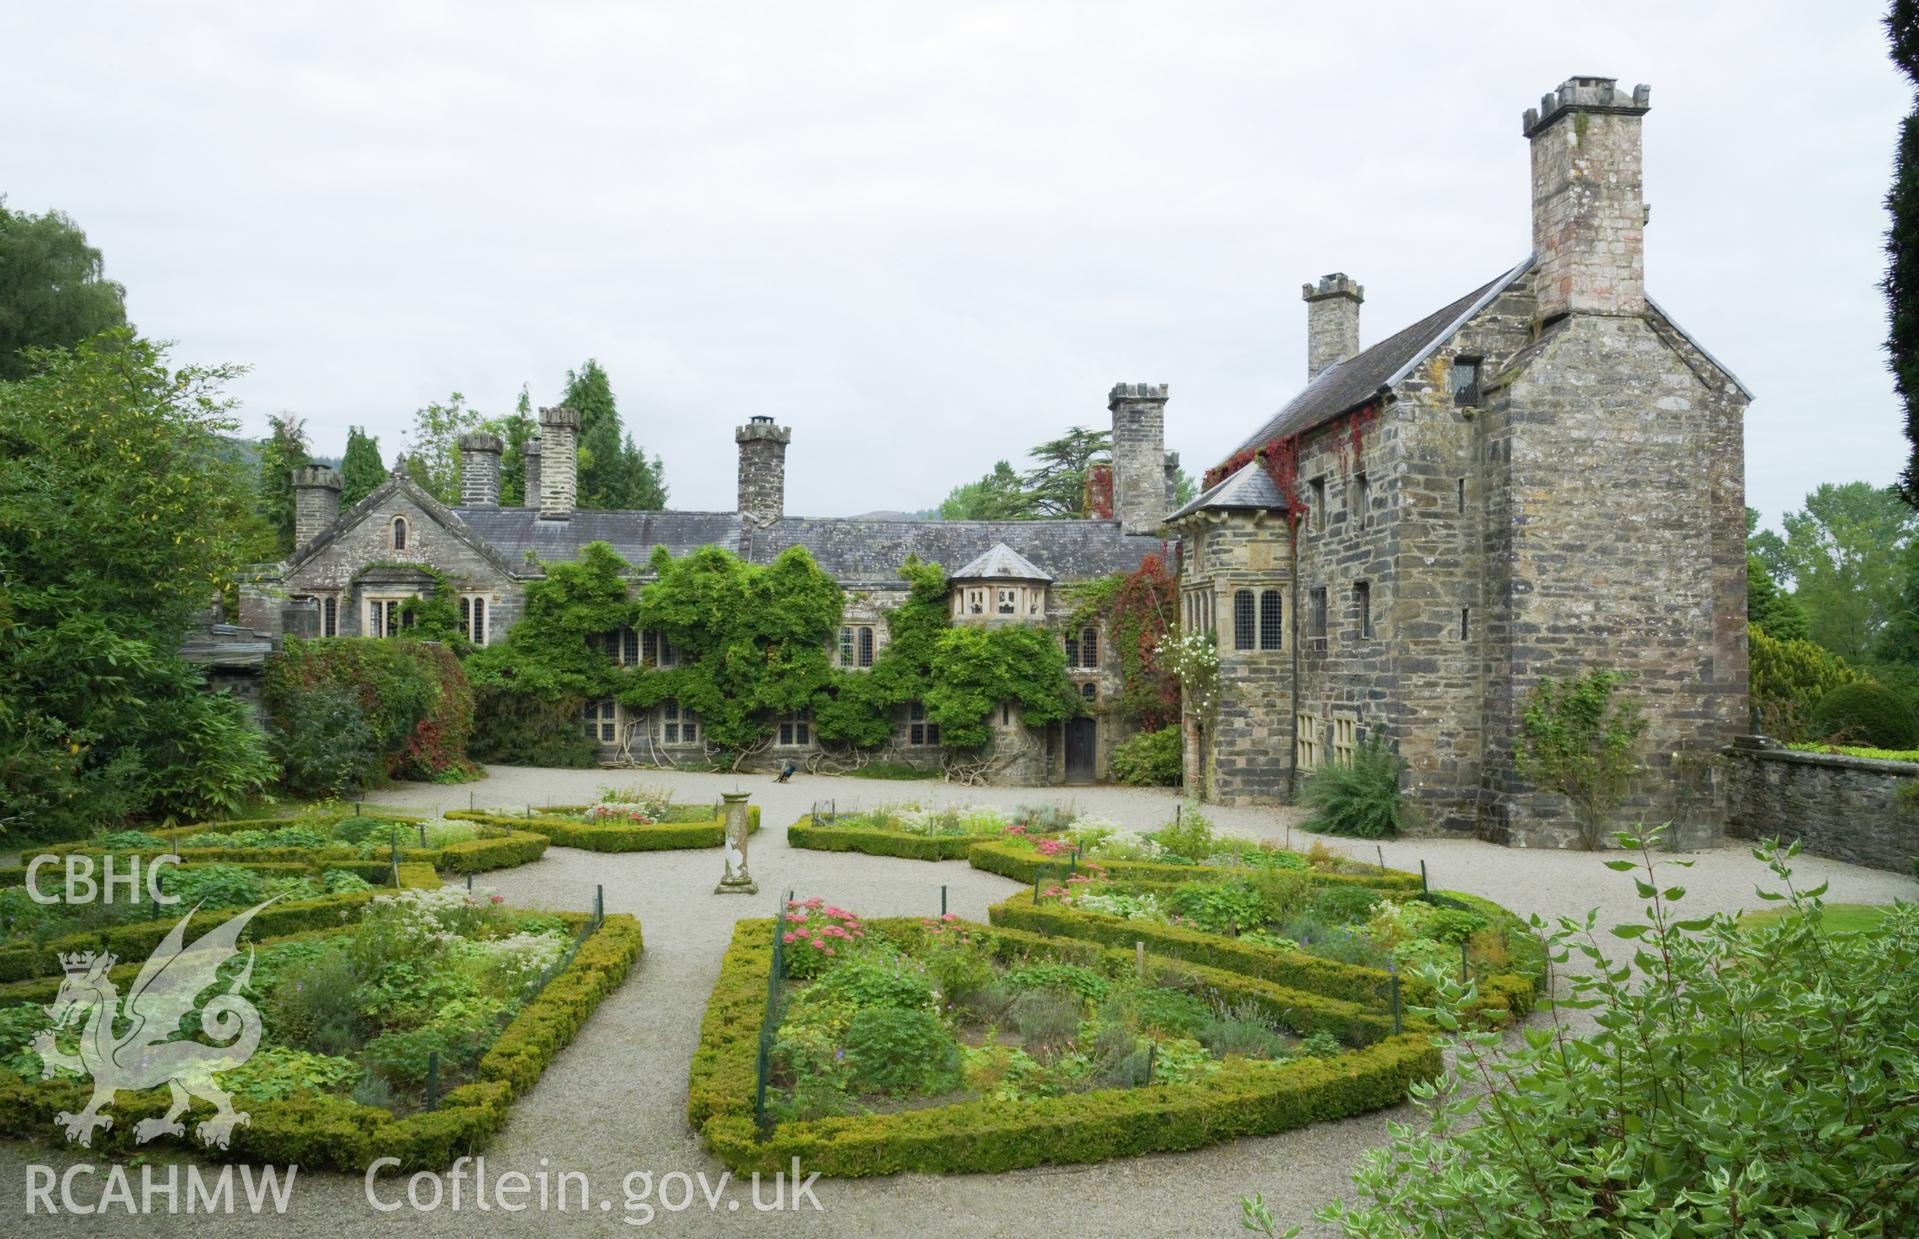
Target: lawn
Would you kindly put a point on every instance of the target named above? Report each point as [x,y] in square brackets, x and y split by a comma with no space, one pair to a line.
[1840,918]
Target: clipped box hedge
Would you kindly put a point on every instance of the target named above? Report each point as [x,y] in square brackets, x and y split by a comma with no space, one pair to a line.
[1502,995]
[138,938]
[825,837]
[503,851]
[312,1130]
[988,1135]
[1011,860]
[706,832]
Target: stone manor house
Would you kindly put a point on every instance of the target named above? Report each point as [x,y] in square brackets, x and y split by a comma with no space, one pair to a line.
[1543,477]
[351,571]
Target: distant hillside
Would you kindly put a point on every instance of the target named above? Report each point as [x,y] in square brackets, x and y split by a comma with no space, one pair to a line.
[928,514]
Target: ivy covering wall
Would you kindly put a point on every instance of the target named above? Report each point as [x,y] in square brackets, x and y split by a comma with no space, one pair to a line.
[753,643]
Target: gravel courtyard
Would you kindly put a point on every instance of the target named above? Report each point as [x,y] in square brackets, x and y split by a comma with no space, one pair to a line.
[614,1102]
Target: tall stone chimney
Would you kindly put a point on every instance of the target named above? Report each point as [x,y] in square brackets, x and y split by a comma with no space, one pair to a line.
[763,468]
[1332,321]
[1589,206]
[480,470]
[559,462]
[530,473]
[316,502]
[1139,455]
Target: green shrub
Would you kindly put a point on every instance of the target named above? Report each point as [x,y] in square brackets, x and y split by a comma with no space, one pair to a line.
[1788,680]
[1624,1128]
[1149,759]
[1221,907]
[1864,713]
[412,695]
[1165,1010]
[216,886]
[324,743]
[1360,797]
[1191,836]
[1046,1019]
[898,1051]
[1243,1029]
[1082,981]
[1344,905]
[886,981]
[518,729]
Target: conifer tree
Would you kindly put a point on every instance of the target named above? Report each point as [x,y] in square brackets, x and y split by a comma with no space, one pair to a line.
[360,471]
[613,472]
[1902,244]
[281,452]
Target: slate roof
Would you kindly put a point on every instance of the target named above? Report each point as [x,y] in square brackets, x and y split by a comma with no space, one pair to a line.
[515,531]
[1358,379]
[1247,489]
[1002,563]
[855,549]
[849,549]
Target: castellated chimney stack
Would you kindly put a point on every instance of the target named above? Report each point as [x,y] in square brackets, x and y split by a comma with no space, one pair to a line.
[763,468]
[316,502]
[480,470]
[559,462]
[530,473]
[1589,206]
[1332,321]
[1139,455]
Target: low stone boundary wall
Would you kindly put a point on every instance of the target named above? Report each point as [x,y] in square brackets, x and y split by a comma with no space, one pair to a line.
[1842,807]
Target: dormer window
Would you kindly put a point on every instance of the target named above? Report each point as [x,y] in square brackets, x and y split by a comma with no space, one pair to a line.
[399,533]
[1463,380]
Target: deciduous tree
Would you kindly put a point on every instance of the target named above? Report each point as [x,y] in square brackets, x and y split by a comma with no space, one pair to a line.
[122,516]
[53,288]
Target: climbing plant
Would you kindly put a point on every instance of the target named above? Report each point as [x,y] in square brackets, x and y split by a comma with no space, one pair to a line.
[975,670]
[546,655]
[1137,610]
[433,616]
[857,708]
[752,643]
[751,639]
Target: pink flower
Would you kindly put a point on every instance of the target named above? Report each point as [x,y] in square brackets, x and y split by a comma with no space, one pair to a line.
[1016,829]
[819,944]
[950,916]
[788,937]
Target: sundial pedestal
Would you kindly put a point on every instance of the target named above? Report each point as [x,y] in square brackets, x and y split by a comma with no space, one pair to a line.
[736,881]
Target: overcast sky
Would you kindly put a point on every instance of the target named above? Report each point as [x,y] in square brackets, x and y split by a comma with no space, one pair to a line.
[929,236]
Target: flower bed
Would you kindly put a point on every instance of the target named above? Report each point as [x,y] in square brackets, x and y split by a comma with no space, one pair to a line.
[685,826]
[349,1015]
[453,846]
[1188,847]
[1341,940]
[918,833]
[131,926]
[947,1046]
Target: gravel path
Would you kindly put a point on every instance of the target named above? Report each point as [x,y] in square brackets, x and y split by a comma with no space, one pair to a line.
[614,1102]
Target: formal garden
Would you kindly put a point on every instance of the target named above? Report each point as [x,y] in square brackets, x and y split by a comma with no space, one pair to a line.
[1121,974]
